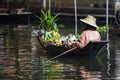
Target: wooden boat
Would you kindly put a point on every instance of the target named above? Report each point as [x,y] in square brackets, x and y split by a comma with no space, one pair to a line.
[93,48]
[14,16]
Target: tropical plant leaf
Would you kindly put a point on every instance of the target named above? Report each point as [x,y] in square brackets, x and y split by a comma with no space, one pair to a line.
[48,22]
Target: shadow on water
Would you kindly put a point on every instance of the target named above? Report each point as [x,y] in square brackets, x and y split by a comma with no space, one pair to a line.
[22,58]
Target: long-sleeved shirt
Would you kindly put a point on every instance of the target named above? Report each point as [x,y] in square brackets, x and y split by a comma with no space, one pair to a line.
[87,36]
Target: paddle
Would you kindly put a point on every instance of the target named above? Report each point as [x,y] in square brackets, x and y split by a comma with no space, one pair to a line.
[64,53]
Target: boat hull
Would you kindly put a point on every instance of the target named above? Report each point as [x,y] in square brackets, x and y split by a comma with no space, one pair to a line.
[6,18]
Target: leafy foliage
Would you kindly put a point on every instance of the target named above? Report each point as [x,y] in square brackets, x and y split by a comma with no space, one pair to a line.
[48,22]
[103,29]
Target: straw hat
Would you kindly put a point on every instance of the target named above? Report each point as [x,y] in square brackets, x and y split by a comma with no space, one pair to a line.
[90,20]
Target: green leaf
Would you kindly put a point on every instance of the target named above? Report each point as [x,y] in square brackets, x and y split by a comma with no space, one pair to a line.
[48,22]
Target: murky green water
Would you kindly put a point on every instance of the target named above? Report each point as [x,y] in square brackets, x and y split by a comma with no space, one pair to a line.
[22,58]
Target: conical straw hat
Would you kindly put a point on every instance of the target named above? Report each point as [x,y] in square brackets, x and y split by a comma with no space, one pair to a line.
[90,20]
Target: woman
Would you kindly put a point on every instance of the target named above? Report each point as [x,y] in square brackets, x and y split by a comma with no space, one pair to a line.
[90,33]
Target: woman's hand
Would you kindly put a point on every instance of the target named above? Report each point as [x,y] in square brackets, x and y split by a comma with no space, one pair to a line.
[75,44]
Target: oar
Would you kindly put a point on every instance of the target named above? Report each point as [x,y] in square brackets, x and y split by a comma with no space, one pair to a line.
[64,53]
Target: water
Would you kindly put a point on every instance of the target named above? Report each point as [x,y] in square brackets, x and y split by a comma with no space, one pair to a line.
[22,58]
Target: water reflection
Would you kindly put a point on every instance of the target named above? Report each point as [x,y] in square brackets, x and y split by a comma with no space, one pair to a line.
[7,61]
[22,58]
[80,68]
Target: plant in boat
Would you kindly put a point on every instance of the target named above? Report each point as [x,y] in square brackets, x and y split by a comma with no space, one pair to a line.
[49,22]
[102,29]
[51,28]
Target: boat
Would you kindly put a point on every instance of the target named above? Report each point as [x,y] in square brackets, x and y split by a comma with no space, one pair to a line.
[93,48]
[14,16]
